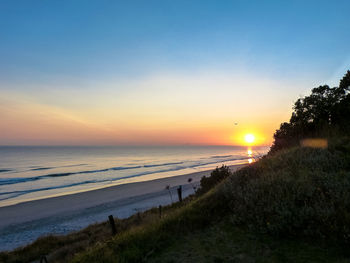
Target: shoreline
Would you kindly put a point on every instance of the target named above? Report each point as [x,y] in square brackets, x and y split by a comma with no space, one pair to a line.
[67,213]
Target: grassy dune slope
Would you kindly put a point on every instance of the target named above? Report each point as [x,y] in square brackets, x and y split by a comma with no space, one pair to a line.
[293,206]
[63,248]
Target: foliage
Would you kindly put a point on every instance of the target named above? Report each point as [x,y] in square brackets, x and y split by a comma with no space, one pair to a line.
[299,192]
[324,113]
[224,242]
[215,177]
[139,244]
[294,194]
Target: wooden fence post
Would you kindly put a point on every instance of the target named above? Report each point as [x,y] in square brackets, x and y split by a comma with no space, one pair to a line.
[179,193]
[139,216]
[112,223]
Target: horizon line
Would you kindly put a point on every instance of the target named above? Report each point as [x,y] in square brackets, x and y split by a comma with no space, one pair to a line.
[127,145]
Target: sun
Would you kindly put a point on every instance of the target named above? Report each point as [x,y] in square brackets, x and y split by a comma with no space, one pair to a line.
[249,138]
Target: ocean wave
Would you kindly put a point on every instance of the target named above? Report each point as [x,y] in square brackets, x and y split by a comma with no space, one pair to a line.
[41,168]
[7,181]
[220,156]
[162,164]
[5,170]
[124,168]
[118,168]
[214,162]
[74,165]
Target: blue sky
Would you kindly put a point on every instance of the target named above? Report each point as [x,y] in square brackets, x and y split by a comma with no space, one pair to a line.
[49,49]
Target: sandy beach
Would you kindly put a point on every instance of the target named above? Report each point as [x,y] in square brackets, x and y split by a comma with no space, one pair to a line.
[22,223]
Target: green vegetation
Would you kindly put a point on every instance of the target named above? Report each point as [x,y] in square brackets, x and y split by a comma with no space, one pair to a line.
[216,176]
[296,196]
[300,192]
[325,114]
[225,243]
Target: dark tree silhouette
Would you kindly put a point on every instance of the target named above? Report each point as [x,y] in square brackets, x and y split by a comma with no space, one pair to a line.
[321,114]
[215,177]
[345,82]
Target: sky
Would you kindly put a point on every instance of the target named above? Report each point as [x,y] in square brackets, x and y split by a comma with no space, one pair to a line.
[162,72]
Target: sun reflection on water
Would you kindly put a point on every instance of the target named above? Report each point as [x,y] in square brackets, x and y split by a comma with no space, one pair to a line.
[250,154]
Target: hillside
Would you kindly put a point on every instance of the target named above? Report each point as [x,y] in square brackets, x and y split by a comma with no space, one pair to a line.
[291,206]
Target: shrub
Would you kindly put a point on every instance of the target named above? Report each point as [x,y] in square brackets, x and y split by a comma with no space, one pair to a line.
[300,192]
[216,176]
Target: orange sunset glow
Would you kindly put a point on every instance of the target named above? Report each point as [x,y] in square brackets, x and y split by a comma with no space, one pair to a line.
[27,121]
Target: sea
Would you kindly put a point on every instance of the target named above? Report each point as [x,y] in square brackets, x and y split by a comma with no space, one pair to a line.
[36,172]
